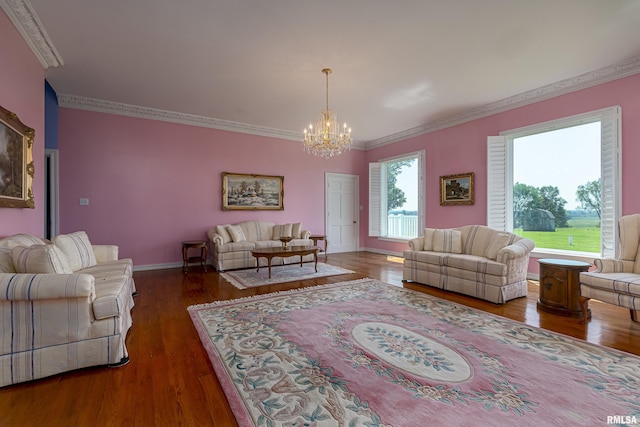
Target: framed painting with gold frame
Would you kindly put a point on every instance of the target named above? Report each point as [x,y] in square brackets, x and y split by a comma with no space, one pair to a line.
[456,189]
[16,162]
[252,192]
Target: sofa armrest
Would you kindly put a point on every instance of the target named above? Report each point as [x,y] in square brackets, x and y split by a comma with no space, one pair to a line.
[105,253]
[214,237]
[304,234]
[416,244]
[519,249]
[32,287]
[609,265]
[516,258]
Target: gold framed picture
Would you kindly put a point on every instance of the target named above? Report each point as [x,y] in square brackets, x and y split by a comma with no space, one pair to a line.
[456,189]
[252,192]
[16,162]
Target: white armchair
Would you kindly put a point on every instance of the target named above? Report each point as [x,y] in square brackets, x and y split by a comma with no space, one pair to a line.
[616,281]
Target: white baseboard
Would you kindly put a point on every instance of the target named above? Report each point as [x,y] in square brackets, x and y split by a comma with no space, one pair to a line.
[156,266]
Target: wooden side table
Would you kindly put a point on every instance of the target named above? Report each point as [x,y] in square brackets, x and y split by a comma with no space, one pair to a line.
[201,259]
[560,286]
[316,237]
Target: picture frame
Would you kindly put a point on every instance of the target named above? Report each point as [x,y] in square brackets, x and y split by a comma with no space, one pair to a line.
[456,189]
[252,192]
[16,162]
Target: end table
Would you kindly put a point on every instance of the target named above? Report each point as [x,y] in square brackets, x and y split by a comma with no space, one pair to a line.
[560,287]
[201,259]
[316,237]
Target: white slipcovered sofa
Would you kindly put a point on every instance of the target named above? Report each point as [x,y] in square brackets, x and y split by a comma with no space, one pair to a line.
[231,244]
[473,260]
[64,305]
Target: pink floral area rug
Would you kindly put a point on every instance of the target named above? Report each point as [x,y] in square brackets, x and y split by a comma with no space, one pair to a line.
[366,353]
[250,278]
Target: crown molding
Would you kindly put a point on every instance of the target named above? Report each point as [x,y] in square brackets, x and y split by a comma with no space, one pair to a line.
[623,69]
[109,107]
[26,21]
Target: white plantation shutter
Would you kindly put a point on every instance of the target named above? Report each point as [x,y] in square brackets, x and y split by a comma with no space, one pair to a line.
[375,191]
[499,193]
[610,209]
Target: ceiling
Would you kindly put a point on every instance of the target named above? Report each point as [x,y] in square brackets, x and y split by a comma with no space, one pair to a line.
[398,67]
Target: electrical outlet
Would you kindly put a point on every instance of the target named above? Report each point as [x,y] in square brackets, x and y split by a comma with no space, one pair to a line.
[84,201]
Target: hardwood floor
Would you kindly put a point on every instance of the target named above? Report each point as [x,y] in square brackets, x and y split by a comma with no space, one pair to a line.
[170,382]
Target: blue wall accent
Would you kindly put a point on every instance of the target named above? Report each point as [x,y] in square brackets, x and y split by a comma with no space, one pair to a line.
[50,117]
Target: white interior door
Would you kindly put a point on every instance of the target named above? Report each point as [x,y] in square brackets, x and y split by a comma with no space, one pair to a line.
[342,213]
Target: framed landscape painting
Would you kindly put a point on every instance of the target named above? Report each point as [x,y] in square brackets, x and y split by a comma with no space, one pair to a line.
[16,162]
[456,189]
[252,192]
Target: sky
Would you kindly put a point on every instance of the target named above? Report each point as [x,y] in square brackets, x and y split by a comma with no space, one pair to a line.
[564,158]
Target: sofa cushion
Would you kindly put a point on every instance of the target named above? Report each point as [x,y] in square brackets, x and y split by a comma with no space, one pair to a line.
[625,283]
[282,230]
[428,239]
[255,230]
[20,240]
[236,233]
[120,267]
[236,247]
[222,231]
[499,241]
[46,258]
[477,264]
[6,261]
[447,240]
[77,248]
[476,239]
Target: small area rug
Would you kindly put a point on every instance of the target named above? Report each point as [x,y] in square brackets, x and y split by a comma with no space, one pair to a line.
[366,353]
[250,278]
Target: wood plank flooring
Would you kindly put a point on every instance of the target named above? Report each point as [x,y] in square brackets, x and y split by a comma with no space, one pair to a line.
[170,382]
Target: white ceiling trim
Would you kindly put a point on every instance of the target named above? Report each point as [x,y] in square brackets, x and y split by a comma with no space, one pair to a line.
[82,103]
[625,68]
[24,18]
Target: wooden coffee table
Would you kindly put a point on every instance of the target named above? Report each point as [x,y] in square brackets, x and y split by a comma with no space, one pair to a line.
[270,253]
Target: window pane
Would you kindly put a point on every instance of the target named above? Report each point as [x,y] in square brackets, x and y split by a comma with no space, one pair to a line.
[402,198]
[556,192]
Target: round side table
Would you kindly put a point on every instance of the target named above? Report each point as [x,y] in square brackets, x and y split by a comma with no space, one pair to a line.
[560,286]
[201,259]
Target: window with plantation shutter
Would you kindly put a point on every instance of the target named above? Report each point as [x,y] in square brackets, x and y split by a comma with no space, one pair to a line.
[500,181]
[397,196]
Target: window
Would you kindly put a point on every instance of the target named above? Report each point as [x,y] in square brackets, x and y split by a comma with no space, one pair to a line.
[505,212]
[396,197]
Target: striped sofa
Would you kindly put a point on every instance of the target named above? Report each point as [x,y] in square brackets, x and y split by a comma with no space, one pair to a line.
[64,305]
[473,260]
[231,244]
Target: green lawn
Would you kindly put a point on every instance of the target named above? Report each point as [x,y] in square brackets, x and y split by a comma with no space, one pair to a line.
[584,232]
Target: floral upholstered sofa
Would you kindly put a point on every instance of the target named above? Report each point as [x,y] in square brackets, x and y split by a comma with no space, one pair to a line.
[231,244]
[64,305]
[473,260]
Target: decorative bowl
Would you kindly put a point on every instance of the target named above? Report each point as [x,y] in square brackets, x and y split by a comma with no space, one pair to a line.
[285,240]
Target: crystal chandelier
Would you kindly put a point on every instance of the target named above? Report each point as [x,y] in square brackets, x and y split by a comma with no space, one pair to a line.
[326,140]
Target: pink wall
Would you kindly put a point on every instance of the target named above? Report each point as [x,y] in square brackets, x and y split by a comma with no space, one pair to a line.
[22,92]
[462,148]
[152,184]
